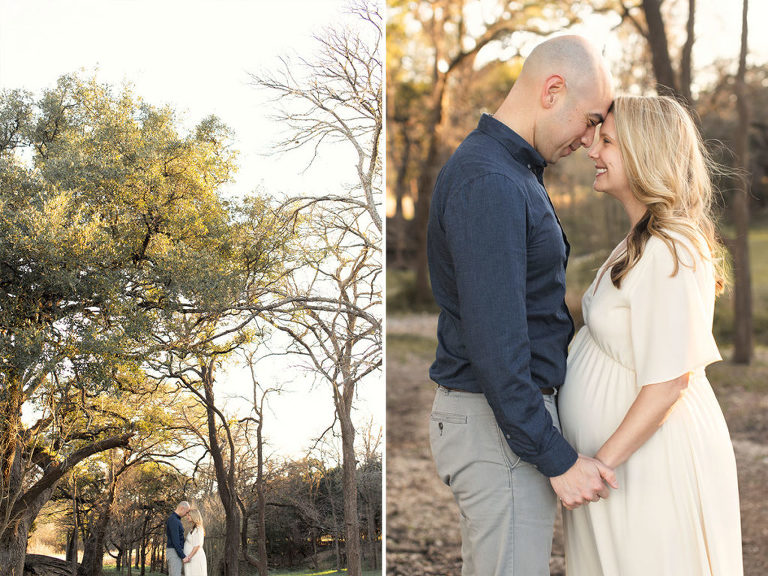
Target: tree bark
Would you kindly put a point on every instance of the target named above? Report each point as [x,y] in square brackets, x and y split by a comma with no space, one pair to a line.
[73,558]
[46,566]
[144,542]
[93,548]
[261,501]
[13,547]
[372,535]
[225,474]
[349,476]
[686,58]
[260,562]
[666,83]
[742,290]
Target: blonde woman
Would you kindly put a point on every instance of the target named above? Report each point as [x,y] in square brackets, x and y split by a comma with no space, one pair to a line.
[194,561]
[636,395]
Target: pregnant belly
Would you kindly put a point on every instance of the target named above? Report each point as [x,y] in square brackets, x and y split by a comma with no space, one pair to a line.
[596,395]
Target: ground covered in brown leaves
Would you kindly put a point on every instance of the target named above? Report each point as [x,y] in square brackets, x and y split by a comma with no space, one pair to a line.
[422,528]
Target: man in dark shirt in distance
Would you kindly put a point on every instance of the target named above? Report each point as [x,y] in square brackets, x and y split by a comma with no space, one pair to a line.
[174,532]
[497,258]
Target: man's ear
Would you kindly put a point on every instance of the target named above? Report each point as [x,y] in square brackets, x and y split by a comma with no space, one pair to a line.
[553,88]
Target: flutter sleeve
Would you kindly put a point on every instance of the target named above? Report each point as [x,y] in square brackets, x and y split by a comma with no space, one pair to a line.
[671,315]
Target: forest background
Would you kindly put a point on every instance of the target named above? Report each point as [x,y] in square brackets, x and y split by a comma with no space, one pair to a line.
[190,284]
[448,61]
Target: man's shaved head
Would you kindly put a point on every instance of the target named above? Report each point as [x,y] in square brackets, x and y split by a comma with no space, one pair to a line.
[563,92]
[570,56]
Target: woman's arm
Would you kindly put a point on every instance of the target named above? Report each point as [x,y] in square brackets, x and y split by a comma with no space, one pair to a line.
[192,552]
[648,412]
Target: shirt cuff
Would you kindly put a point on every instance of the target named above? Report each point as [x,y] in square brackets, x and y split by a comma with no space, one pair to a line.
[556,458]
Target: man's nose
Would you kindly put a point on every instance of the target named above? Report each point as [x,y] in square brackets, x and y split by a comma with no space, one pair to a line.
[588,137]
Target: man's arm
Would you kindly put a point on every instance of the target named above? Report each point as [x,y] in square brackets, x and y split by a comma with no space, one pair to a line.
[175,531]
[485,224]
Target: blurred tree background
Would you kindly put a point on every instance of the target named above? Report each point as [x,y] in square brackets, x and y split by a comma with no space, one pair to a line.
[448,61]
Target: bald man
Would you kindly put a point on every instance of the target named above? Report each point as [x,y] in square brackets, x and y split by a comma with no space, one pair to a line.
[497,258]
[174,533]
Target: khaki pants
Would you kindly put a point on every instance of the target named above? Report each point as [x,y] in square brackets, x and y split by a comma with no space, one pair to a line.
[174,562]
[506,506]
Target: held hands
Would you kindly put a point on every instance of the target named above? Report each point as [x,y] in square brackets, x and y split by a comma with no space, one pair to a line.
[584,482]
[186,559]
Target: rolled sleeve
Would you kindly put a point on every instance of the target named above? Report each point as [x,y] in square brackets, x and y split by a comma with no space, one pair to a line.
[486,223]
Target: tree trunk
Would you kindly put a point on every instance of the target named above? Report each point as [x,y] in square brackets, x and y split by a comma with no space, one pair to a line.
[742,290]
[40,565]
[686,59]
[426,182]
[261,501]
[71,543]
[225,474]
[13,547]
[372,534]
[93,547]
[144,543]
[666,83]
[73,559]
[260,562]
[349,475]
[313,535]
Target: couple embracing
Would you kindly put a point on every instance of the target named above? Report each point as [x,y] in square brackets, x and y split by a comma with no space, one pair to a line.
[624,430]
[186,553]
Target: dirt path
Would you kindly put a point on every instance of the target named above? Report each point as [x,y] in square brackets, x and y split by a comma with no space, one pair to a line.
[422,529]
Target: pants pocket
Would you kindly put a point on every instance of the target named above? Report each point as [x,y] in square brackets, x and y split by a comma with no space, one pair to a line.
[512,459]
[447,432]
[448,417]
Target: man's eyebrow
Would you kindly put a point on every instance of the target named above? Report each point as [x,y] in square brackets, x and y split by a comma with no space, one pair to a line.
[598,118]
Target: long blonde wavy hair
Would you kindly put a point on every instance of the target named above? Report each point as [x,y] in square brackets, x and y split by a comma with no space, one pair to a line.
[669,172]
[197,519]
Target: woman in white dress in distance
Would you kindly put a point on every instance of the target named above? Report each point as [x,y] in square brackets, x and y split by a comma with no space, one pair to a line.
[195,563]
[636,394]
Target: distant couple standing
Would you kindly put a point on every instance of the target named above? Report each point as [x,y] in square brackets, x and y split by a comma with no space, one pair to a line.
[644,465]
[185,552]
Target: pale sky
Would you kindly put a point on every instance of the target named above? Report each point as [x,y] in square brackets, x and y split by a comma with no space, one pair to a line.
[195,56]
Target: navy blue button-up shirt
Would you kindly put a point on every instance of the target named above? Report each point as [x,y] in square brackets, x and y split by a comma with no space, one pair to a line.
[174,534]
[497,258]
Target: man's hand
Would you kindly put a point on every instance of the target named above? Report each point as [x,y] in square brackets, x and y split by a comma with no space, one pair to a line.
[584,482]
[186,560]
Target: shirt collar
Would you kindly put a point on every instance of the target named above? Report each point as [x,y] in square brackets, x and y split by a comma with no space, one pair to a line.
[518,148]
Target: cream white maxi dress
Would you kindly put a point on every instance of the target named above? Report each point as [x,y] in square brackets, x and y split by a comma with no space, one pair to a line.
[198,565]
[676,511]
